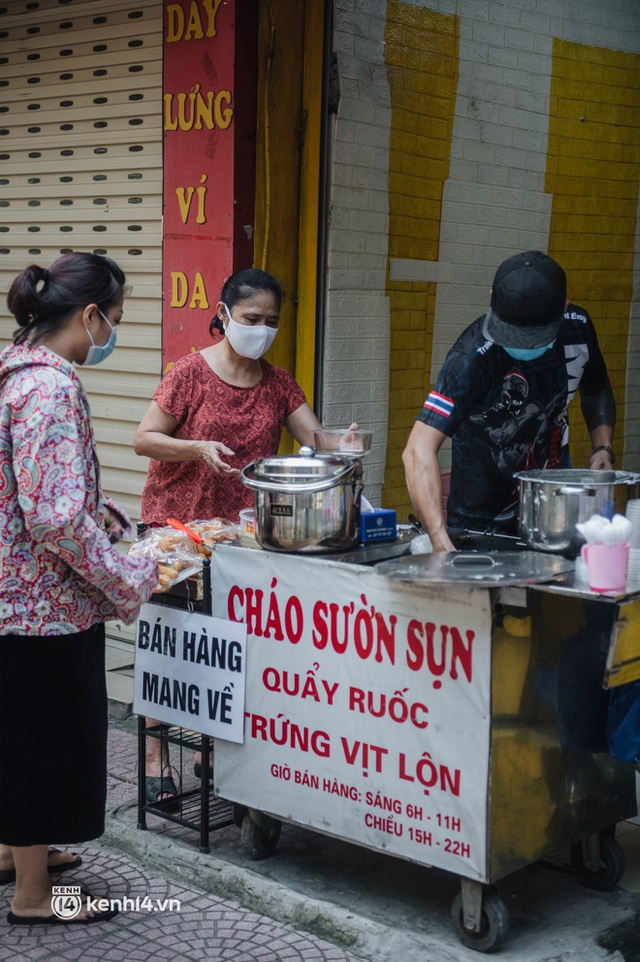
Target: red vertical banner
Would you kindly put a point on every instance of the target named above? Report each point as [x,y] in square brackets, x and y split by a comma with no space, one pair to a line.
[201,127]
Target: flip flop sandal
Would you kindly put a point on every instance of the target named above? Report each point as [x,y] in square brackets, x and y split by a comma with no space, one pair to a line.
[154,786]
[56,920]
[9,876]
[63,866]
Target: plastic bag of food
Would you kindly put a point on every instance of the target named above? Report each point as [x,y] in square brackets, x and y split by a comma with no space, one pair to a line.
[177,555]
[212,530]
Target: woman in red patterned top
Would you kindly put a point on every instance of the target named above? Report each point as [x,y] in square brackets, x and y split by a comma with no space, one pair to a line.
[219,409]
[214,412]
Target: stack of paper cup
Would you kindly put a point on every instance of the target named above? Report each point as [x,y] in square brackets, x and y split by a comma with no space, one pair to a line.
[633,572]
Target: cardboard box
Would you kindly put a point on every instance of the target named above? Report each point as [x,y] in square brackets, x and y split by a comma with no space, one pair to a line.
[378,525]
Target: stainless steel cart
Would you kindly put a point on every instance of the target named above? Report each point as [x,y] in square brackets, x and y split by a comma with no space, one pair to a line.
[456,726]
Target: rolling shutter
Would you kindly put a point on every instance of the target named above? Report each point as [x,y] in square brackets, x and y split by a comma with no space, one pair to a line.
[81,169]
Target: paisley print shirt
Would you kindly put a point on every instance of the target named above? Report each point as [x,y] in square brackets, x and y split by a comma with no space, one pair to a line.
[249,420]
[59,574]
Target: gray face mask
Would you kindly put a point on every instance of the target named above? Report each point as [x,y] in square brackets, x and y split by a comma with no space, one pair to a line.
[96,352]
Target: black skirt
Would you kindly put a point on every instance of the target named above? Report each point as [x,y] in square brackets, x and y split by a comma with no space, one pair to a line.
[53,738]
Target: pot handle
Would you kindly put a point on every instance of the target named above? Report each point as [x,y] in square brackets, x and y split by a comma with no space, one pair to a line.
[475,560]
[358,485]
[318,484]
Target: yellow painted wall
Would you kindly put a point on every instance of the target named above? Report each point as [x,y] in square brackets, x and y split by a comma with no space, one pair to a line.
[422,67]
[279,125]
[592,172]
[287,175]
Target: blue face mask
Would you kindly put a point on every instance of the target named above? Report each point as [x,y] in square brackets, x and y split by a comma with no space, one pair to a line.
[526,354]
[98,353]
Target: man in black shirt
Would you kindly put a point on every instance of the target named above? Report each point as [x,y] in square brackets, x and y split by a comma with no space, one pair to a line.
[502,397]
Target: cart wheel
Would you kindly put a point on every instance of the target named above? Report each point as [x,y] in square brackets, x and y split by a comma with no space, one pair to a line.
[612,865]
[494,923]
[259,841]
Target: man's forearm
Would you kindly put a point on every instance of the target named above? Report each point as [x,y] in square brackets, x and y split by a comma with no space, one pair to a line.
[599,412]
[425,489]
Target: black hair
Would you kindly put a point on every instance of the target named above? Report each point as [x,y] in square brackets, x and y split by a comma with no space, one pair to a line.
[242,285]
[73,281]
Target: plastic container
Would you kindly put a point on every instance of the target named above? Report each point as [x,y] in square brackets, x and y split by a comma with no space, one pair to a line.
[247,523]
[606,566]
[342,442]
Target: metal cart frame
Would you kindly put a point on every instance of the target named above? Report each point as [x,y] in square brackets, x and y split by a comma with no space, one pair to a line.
[551,783]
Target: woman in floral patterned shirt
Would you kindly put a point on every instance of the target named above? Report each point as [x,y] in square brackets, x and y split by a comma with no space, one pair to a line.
[60,578]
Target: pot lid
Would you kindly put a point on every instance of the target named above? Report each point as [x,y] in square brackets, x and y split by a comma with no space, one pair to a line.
[578,476]
[303,472]
[498,568]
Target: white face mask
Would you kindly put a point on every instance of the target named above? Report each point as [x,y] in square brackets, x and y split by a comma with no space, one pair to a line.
[250,341]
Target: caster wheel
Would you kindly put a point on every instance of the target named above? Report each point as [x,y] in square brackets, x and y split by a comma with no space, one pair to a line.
[494,922]
[259,841]
[612,865]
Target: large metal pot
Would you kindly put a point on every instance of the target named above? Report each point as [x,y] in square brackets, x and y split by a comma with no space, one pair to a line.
[552,503]
[306,503]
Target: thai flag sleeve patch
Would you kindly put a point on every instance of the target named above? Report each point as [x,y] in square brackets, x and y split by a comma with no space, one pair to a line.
[439,403]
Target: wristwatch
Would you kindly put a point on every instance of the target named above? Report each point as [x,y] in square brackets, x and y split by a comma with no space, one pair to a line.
[608,449]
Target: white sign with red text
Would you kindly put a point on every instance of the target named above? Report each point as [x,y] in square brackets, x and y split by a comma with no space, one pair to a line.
[367,705]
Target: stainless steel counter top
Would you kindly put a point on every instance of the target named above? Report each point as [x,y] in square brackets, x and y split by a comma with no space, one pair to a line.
[372,554]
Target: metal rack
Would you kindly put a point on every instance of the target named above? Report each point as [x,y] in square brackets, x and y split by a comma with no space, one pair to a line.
[197,808]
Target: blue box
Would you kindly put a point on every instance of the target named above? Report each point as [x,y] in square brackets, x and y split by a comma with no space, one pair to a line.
[378,525]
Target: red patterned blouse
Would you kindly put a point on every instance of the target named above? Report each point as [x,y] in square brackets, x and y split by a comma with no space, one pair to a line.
[249,420]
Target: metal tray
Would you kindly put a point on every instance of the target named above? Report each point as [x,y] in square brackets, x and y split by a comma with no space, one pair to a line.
[476,568]
[364,554]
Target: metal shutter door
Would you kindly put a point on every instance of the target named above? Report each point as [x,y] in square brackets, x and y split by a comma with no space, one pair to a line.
[81,169]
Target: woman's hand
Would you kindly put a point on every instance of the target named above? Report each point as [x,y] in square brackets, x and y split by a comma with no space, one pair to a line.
[349,441]
[211,453]
[154,439]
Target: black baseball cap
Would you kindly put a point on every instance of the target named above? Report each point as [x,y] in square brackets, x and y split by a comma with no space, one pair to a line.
[528,299]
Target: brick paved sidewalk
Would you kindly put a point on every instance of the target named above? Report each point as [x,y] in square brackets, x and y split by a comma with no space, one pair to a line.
[334,901]
[206,927]
[199,926]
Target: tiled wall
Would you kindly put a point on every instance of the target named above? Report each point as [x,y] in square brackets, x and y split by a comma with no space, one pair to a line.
[497,130]
[422,63]
[592,175]
[358,343]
